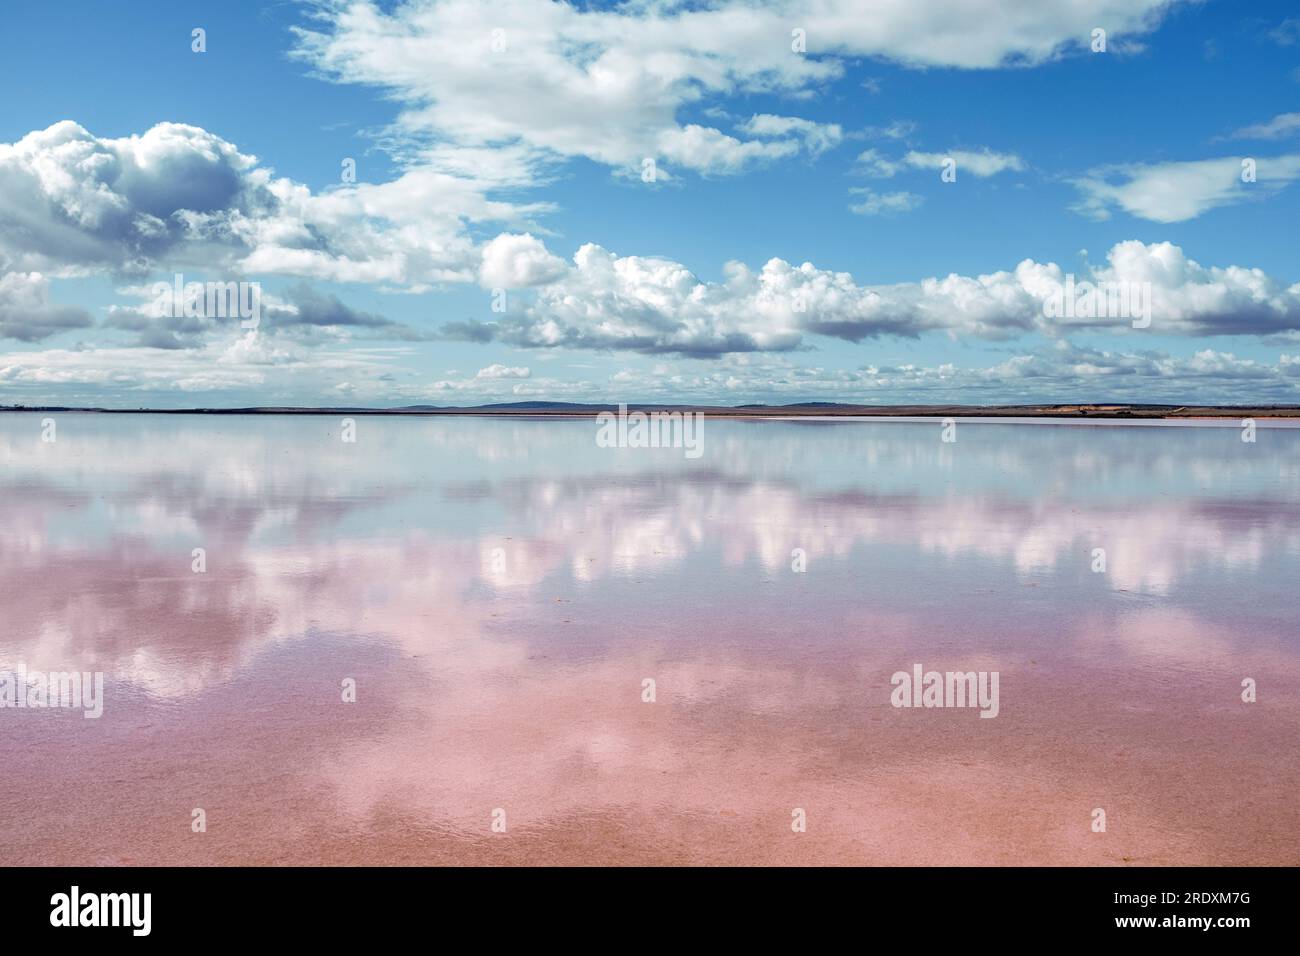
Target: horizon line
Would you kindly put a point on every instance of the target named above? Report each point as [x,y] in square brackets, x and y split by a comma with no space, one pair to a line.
[1144,410]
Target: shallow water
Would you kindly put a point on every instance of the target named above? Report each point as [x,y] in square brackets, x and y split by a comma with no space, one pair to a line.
[500,589]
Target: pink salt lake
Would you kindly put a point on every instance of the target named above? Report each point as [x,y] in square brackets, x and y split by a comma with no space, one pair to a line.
[499,589]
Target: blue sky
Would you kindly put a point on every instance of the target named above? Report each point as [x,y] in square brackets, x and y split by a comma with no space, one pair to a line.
[797,242]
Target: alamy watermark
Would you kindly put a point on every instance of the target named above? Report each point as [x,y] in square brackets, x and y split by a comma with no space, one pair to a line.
[37,689]
[221,300]
[75,908]
[948,689]
[651,430]
[1100,300]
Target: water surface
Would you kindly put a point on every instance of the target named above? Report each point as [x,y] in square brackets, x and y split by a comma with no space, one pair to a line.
[500,589]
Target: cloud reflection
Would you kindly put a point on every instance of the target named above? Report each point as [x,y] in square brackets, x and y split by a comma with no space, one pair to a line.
[508,586]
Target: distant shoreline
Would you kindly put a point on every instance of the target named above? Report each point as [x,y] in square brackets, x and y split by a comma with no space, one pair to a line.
[820,410]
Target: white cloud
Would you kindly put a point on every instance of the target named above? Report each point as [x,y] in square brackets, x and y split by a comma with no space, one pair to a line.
[898,129]
[708,150]
[1191,299]
[1178,191]
[498,370]
[873,203]
[1060,372]
[651,305]
[982,163]
[817,137]
[608,84]
[248,364]
[161,319]
[249,367]
[1284,124]
[516,261]
[72,203]
[875,163]
[26,312]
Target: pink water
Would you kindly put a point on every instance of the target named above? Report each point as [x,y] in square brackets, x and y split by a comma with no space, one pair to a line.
[500,589]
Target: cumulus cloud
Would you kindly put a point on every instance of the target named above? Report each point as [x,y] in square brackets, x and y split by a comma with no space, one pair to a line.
[652,305]
[1191,299]
[708,150]
[642,304]
[498,370]
[608,83]
[306,310]
[162,319]
[26,313]
[1178,191]
[72,203]
[517,261]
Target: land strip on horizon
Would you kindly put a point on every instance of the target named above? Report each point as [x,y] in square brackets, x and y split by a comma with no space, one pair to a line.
[797,410]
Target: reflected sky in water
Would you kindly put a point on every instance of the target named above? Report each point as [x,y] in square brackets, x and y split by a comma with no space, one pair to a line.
[499,588]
